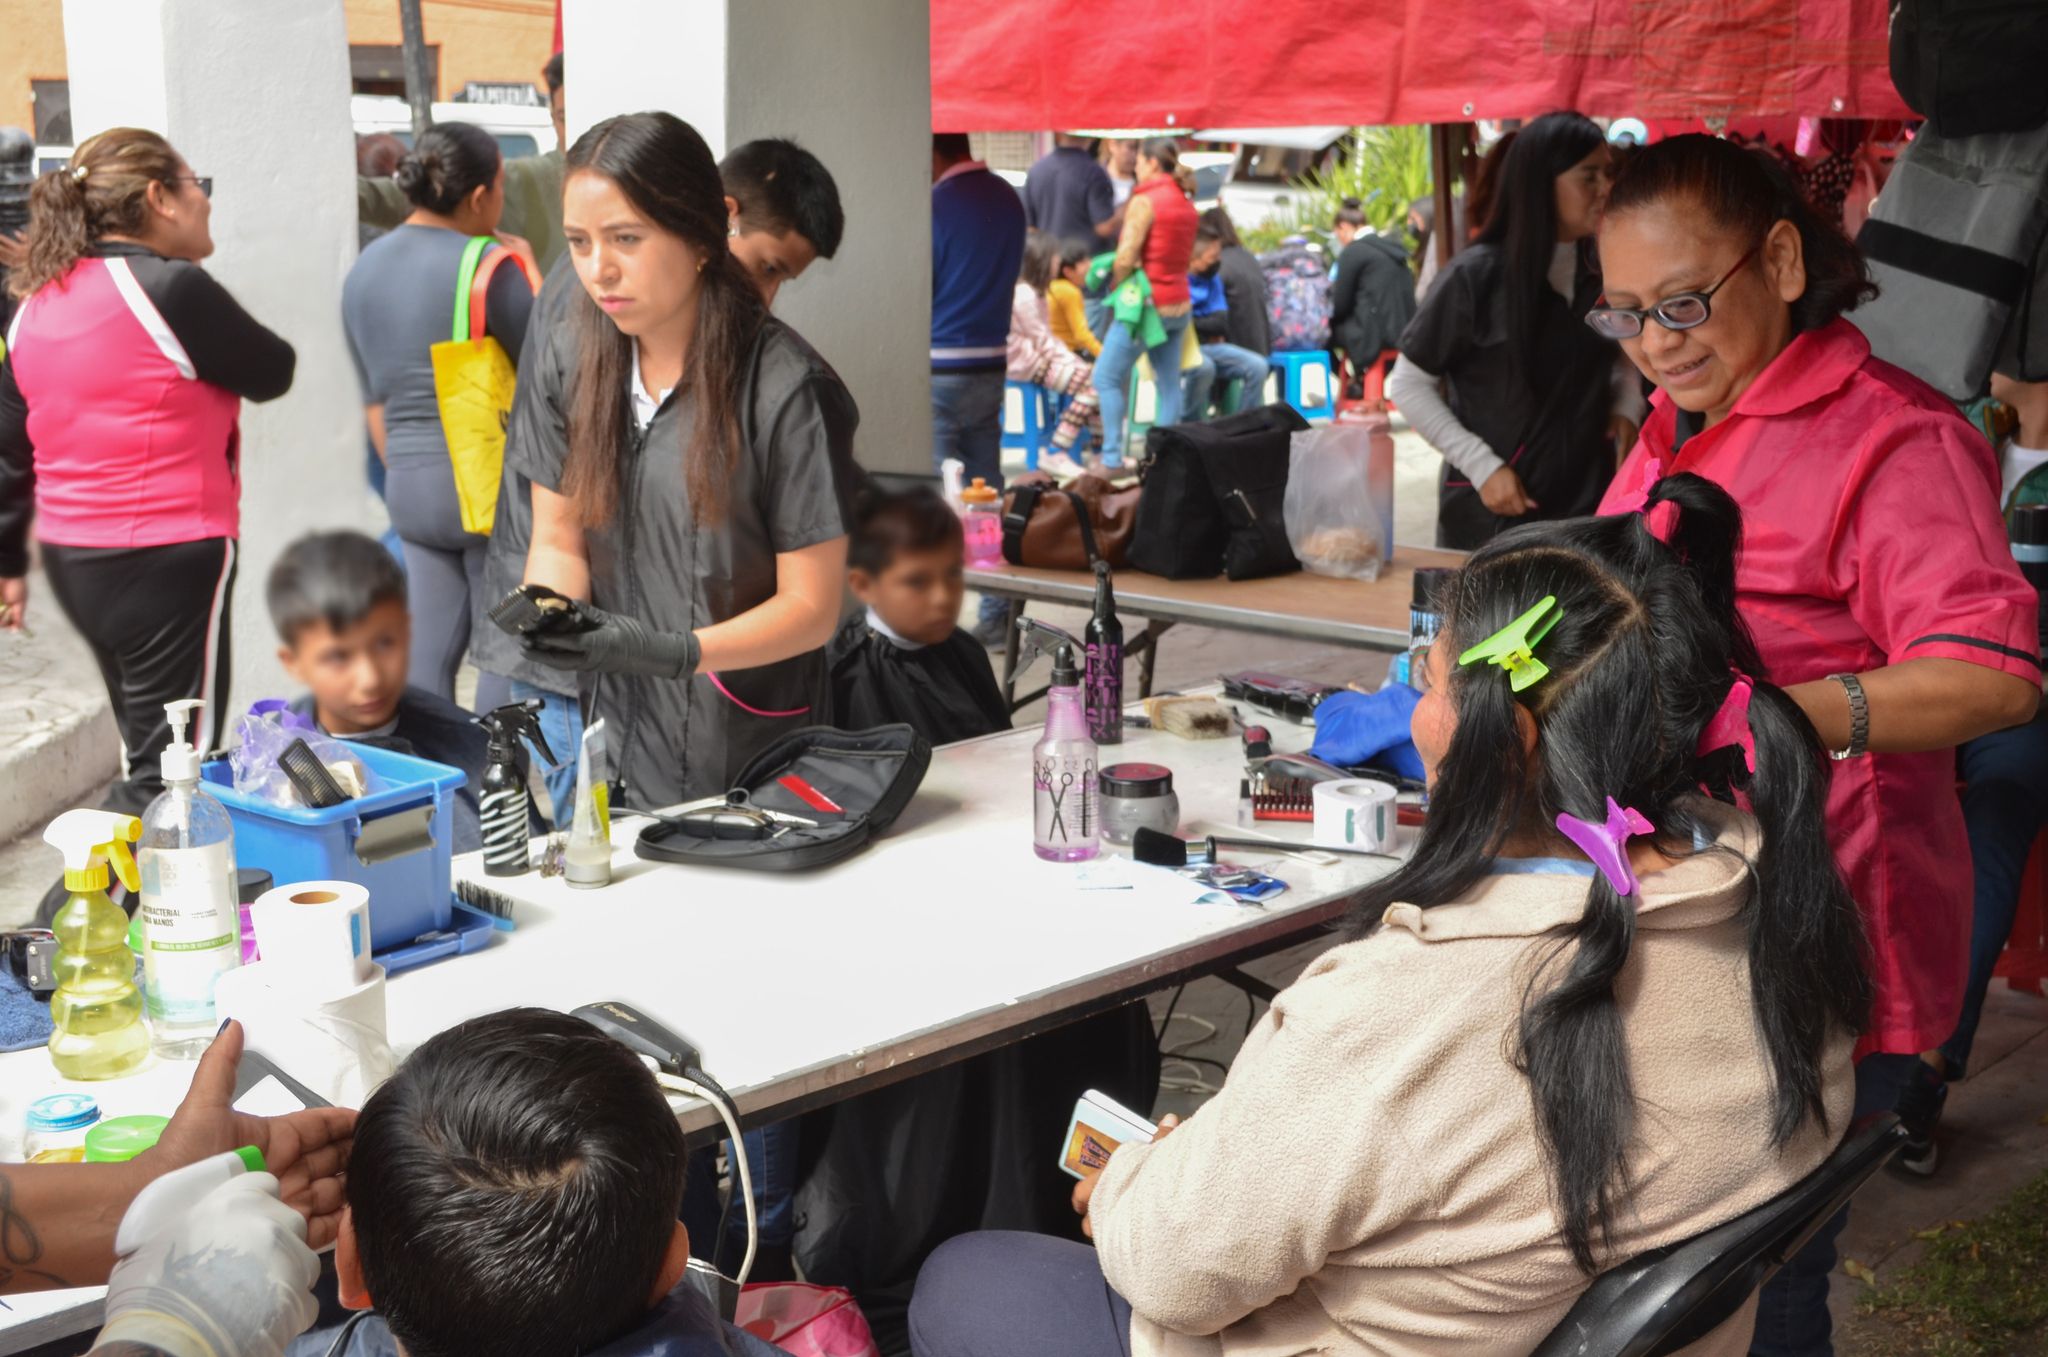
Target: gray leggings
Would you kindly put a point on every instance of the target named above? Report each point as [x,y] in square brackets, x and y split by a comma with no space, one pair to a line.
[444,569]
[997,1293]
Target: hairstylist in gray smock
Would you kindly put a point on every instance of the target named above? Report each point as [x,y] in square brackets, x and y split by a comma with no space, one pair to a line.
[691,464]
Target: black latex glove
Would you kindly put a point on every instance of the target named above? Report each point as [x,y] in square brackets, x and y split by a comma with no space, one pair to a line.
[617,645]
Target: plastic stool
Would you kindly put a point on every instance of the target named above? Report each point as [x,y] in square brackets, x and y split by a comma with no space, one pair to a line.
[1028,416]
[1305,384]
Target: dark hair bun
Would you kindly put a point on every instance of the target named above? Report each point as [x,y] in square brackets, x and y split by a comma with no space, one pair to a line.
[449,162]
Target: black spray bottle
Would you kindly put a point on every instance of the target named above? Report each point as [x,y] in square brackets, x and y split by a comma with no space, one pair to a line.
[503,801]
[1105,687]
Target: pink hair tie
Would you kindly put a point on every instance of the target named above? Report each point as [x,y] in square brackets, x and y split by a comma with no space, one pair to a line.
[1637,501]
[719,684]
[1730,723]
[1607,844]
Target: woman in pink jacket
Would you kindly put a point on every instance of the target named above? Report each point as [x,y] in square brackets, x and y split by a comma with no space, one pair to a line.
[1595,1013]
[120,408]
[1037,355]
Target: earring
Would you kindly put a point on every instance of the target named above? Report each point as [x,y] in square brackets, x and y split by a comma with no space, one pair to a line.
[732,232]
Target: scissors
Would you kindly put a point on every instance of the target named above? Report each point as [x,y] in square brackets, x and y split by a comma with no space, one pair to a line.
[734,816]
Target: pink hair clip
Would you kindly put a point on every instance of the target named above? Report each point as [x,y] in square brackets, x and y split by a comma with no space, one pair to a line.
[1607,844]
[1730,724]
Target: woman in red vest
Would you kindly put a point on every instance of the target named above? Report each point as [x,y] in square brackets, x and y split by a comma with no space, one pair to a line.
[120,403]
[1158,240]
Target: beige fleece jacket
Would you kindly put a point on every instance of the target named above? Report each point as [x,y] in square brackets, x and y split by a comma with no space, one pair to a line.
[1369,1179]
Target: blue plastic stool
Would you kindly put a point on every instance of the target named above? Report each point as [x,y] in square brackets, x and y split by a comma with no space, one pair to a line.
[1026,421]
[1305,384]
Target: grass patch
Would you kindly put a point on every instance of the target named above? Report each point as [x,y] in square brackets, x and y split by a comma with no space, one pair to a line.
[1980,1290]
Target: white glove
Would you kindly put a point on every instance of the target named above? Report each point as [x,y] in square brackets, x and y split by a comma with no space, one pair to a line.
[232,1277]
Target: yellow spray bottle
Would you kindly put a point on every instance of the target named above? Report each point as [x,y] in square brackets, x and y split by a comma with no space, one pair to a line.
[97,1010]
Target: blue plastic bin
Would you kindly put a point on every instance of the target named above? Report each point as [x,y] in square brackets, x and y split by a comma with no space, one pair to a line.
[396,841]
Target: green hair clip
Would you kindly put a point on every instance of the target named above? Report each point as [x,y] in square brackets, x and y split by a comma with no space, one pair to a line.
[1513,647]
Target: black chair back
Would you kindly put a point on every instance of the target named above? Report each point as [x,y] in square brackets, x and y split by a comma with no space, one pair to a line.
[1660,1301]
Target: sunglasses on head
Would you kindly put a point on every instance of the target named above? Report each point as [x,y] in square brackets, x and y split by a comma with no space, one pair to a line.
[1680,311]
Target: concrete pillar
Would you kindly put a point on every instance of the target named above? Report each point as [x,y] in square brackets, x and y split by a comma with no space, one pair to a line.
[852,83]
[255,93]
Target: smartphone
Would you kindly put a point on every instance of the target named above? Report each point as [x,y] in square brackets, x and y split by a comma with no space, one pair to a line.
[535,609]
[1099,1125]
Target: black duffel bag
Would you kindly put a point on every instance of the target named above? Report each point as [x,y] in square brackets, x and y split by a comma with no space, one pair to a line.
[1185,528]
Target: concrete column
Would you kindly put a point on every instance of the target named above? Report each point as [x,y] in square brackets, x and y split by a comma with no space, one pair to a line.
[255,93]
[852,83]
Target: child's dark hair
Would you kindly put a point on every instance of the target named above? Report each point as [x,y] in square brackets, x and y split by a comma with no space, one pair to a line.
[1746,193]
[1041,260]
[331,577]
[1644,653]
[887,525]
[449,162]
[780,188]
[1075,250]
[1351,213]
[514,1188]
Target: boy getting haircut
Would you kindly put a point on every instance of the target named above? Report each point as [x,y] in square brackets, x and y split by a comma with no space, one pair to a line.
[513,1188]
[905,658]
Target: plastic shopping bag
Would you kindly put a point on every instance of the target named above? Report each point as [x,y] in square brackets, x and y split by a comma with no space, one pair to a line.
[266,729]
[473,384]
[1339,506]
[805,1320]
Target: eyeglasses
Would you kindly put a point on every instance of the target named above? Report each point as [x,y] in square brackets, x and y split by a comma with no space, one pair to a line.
[205,182]
[1680,311]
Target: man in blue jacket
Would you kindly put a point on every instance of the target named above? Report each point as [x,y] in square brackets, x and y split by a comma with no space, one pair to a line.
[977,251]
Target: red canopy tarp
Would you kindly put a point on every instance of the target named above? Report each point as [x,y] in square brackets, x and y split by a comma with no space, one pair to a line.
[1036,64]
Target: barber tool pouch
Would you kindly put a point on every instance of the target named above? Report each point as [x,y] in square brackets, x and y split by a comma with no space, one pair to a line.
[850,784]
[473,383]
[1184,529]
[1068,528]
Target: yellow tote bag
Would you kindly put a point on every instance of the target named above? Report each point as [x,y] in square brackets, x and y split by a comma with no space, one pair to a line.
[473,384]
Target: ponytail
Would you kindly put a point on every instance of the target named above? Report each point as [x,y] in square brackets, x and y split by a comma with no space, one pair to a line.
[1572,1050]
[103,191]
[1807,964]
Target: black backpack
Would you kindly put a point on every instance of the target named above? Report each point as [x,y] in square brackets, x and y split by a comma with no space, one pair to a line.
[1972,66]
[1212,497]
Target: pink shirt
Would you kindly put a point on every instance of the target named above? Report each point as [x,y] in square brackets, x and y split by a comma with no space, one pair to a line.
[132,447]
[1870,536]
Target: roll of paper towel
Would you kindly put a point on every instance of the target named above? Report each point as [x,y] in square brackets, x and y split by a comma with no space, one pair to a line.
[334,1045]
[1355,813]
[318,933]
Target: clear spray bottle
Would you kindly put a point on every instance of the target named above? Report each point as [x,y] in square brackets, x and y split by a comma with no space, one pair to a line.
[1063,825]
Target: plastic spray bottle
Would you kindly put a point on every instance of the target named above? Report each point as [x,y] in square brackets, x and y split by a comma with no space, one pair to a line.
[1105,636]
[504,804]
[96,1010]
[191,927]
[1063,827]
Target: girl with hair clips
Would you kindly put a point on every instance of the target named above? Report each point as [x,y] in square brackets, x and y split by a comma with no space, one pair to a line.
[395,306]
[1529,409]
[120,408]
[1876,578]
[1595,1013]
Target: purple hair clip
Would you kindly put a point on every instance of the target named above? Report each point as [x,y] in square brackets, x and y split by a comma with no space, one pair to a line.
[1607,844]
[1730,725]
